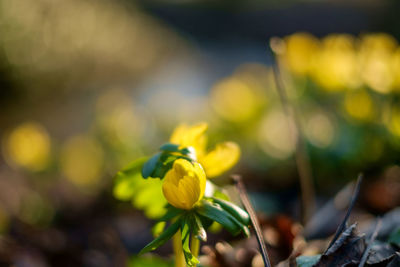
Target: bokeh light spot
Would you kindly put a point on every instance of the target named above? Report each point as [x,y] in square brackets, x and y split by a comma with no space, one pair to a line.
[300,50]
[82,160]
[234,100]
[276,136]
[117,119]
[28,146]
[358,104]
[335,66]
[320,130]
[376,55]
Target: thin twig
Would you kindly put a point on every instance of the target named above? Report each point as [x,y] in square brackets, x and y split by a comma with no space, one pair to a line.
[342,226]
[301,156]
[249,208]
[371,240]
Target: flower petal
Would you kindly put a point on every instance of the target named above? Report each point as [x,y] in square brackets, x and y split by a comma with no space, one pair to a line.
[201,175]
[170,192]
[221,159]
[194,136]
[189,190]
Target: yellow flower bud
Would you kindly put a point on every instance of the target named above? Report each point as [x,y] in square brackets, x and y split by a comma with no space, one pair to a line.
[184,184]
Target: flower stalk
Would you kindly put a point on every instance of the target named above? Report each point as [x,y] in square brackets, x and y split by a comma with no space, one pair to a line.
[178,251]
[195,246]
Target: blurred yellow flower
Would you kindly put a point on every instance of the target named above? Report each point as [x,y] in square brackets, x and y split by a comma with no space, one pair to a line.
[359,104]
[215,162]
[300,51]
[28,146]
[335,65]
[193,136]
[376,56]
[184,184]
[238,98]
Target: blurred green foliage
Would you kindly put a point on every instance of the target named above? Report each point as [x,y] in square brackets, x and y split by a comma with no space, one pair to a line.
[145,194]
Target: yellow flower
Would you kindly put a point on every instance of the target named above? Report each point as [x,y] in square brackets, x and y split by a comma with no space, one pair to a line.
[222,158]
[184,184]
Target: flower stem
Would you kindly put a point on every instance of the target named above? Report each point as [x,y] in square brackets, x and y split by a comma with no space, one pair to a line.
[178,251]
[195,246]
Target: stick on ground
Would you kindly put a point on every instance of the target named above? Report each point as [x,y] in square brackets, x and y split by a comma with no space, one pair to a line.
[237,180]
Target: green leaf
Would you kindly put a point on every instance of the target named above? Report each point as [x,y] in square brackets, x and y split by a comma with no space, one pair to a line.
[145,194]
[307,261]
[240,214]
[164,164]
[158,228]
[186,151]
[162,238]
[216,213]
[190,152]
[219,194]
[167,158]
[206,222]
[135,166]
[158,165]
[149,197]
[215,227]
[150,166]
[185,231]
[169,147]
[394,237]
[171,213]
[155,208]
[127,179]
[198,228]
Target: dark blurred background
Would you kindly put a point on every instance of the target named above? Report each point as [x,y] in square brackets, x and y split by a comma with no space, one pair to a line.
[88,86]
